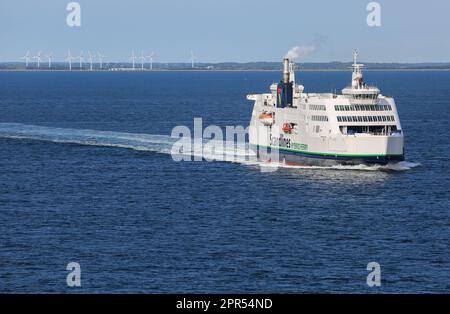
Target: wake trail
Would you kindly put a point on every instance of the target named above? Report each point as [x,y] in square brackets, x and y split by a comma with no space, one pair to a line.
[210,150]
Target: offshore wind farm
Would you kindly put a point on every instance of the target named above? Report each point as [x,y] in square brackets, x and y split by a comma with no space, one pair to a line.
[148,61]
[93,61]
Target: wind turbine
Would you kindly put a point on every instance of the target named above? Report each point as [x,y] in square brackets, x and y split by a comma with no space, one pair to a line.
[192,59]
[38,58]
[80,57]
[150,56]
[142,58]
[90,59]
[70,58]
[27,58]
[100,58]
[49,57]
[133,58]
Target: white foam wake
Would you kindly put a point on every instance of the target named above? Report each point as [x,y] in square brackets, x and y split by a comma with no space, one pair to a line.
[163,144]
[210,150]
[394,166]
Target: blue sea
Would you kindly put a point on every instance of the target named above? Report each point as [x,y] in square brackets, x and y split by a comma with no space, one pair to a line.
[86,176]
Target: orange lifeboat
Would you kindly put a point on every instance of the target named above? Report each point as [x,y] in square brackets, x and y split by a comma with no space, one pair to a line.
[266,118]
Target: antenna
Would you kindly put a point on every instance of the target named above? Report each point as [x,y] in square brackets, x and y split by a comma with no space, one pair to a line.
[355,56]
[192,59]
[357,76]
[150,56]
[100,58]
[90,60]
[80,57]
[70,58]
[38,58]
[49,57]
[133,58]
[26,58]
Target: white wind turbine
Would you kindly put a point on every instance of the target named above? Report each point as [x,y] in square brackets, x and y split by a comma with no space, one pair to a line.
[70,58]
[49,57]
[133,58]
[100,58]
[192,59]
[142,59]
[91,58]
[38,58]
[150,57]
[27,58]
[80,58]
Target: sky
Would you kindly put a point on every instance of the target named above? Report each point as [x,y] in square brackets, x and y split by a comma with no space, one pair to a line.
[229,30]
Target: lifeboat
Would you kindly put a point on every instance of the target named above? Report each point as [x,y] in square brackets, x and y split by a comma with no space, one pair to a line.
[266,118]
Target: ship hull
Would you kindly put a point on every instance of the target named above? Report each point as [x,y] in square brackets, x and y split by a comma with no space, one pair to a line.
[291,157]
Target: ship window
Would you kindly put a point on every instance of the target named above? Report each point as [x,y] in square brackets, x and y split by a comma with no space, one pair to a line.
[357,118]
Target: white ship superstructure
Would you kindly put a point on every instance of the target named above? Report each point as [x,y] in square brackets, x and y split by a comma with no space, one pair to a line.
[359,126]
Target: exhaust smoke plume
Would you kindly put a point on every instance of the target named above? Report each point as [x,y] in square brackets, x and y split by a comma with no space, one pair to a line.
[300,52]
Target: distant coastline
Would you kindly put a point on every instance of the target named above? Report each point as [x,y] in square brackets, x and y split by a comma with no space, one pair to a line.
[225,66]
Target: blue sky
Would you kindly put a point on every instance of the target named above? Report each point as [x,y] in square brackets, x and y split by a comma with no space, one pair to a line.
[231,30]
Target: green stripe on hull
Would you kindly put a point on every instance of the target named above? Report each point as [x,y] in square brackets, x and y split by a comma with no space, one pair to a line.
[326,154]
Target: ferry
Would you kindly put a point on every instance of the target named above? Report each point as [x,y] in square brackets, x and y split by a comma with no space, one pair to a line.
[358,126]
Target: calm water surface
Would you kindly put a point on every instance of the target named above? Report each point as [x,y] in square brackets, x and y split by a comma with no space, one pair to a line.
[137,221]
